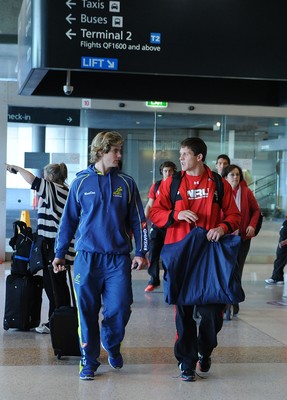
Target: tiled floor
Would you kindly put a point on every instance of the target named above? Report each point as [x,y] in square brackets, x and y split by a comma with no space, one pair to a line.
[249,363]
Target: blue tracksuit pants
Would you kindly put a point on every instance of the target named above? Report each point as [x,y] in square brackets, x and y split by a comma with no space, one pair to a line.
[102,280]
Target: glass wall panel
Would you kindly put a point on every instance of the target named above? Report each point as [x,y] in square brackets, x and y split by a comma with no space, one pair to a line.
[257,144]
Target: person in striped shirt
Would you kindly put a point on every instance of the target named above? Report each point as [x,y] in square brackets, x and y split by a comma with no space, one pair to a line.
[52,192]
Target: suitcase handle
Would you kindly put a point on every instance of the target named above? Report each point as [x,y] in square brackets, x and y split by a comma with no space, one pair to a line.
[71,287]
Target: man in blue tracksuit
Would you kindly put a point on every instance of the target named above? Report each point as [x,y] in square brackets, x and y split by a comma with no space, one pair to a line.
[103,211]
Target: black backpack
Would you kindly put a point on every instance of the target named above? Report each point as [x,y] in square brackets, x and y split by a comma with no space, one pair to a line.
[176,178]
[259,224]
[21,244]
[156,186]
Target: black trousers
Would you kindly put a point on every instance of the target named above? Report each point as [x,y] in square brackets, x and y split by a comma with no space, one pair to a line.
[281,256]
[241,258]
[157,236]
[242,254]
[61,287]
[188,342]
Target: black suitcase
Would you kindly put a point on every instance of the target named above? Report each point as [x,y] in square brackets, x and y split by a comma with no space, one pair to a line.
[64,324]
[23,301]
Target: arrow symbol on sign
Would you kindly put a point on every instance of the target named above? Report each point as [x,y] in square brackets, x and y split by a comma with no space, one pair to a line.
[70,4]
[69,33]
[70,18]
[69,119]
[111,64]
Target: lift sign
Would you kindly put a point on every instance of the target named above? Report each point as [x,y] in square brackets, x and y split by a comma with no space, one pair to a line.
[110,64]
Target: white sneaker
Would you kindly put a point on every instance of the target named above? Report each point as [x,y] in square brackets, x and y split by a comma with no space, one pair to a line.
[271,281]
[42,329]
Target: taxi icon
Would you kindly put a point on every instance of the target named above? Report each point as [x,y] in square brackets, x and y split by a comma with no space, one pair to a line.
[115,6]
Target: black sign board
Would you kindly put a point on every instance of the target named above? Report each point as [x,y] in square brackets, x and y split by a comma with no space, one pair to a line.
[194,37]
[189,38]
[43,116]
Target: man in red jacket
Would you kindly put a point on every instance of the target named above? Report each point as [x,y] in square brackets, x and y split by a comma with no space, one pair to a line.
[196,204]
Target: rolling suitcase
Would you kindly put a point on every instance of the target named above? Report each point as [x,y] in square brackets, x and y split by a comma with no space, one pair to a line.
[64,323]
[23,301]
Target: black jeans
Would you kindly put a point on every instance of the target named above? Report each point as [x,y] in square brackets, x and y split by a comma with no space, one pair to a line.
[241,258]
[157,236]
[281,256]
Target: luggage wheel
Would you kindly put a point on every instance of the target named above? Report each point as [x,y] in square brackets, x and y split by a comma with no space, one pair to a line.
[58,354]
[6,326]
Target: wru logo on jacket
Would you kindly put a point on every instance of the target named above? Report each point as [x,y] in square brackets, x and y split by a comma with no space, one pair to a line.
[202,272]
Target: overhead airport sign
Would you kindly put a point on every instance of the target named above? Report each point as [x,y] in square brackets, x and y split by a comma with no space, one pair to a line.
[159,37]
[43,116]
[106,36]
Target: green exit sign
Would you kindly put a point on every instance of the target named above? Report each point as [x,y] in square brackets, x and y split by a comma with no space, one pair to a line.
[157,104]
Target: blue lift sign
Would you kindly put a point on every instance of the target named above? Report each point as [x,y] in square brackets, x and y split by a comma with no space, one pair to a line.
[110,64]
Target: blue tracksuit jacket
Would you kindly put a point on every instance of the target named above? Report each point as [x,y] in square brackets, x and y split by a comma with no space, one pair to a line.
[103,211]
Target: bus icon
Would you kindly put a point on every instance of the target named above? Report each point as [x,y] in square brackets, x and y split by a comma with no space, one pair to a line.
[117,22]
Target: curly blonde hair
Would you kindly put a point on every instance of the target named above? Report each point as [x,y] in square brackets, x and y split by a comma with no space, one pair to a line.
[103,142]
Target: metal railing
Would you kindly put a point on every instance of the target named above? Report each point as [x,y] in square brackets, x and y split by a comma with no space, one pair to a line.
[265,190]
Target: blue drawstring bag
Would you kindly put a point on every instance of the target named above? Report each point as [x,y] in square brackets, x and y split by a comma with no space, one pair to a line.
[202,272]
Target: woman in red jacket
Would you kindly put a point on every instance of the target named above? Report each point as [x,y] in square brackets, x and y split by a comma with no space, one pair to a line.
[250,212]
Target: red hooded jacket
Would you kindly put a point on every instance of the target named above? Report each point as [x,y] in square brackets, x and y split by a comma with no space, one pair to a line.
[163,216]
